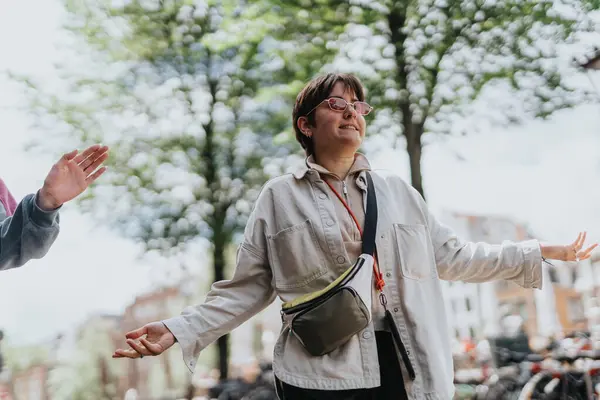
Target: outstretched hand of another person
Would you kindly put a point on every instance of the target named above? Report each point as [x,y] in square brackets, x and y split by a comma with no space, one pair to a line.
[71,175]
[571,252]
[150,340]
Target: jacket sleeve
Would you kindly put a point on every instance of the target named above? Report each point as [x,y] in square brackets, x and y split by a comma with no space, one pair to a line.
[230,302]
[458,260]
[27,234]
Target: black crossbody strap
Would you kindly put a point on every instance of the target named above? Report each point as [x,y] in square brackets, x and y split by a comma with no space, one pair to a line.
[369,248]
[370,227]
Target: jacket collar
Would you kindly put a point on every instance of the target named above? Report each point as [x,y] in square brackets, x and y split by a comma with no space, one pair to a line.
[360,164]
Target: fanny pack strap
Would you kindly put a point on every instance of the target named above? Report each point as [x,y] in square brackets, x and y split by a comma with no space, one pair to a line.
[368,247]
[370,229]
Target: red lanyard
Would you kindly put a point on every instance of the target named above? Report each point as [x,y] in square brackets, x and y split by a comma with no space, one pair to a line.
[379,281]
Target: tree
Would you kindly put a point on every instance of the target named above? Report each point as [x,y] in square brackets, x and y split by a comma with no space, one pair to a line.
[172,87]
[426,61]
[84,370]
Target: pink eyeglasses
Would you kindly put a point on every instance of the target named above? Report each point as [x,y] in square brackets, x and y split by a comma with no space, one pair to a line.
[340,105]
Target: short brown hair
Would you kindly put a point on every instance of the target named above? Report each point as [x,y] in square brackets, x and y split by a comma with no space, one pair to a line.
[313,94]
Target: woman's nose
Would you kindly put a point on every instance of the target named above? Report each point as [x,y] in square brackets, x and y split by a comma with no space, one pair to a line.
[350,111]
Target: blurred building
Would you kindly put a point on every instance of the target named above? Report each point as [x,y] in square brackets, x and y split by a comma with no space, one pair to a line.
[26,376]
[153,377]
[484,310]
[31,383]
[587,283]
[167,376]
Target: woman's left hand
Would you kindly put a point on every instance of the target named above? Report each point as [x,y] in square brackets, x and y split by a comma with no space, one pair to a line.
[571,252]
[71,175]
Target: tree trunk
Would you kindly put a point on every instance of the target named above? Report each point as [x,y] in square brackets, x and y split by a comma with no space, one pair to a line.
[217,220]
[412,131]
[190,391]
[219,271]
[168,373]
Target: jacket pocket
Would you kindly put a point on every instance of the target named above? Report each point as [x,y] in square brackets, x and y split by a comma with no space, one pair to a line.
[415,252]
[295,256]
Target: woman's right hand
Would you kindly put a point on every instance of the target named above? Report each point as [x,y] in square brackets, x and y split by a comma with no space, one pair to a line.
[150,340]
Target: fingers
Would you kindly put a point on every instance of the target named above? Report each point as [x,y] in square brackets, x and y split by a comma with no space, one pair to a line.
[95,175]
[153,348]
[582,237]
[87,152]
[68,156]
[137,333]
[576,244]
[125,353]
[144,347]
[587,253]
[91,163]
[137,346]
[140,346]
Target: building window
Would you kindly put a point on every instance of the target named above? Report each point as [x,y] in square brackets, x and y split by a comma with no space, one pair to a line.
[472,332]
[468,304]
[553,275]
[575,309]
[502,286]
[522,307]
[455,306]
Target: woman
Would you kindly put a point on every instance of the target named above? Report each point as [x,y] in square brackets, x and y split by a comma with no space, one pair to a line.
[300,237]
[28,229]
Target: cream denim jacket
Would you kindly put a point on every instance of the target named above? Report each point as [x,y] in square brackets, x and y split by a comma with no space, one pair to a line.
[293,245]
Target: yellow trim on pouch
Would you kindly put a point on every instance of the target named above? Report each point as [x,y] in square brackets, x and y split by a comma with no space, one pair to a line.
[311,296]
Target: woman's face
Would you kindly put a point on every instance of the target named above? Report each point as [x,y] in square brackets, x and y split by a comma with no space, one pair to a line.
[336,132]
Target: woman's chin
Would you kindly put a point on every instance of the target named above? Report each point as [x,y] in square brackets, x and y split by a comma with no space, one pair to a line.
[351,140]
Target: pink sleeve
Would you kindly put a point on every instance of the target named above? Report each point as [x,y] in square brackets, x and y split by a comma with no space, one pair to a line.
[7,200]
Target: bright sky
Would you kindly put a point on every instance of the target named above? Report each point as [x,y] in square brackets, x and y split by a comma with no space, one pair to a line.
[88,269]
[544,173]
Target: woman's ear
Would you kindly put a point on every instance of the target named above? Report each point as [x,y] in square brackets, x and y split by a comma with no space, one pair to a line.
[304,126]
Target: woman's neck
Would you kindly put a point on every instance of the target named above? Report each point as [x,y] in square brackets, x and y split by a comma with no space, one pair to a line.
[339,166]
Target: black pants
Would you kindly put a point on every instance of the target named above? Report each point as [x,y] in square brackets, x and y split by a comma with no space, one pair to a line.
[392,384]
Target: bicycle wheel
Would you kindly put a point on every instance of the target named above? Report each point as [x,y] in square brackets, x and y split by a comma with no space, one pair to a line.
[545,386]
[464,391]
[534,388]
[503,389]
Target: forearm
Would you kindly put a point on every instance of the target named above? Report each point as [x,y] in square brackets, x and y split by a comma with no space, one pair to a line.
[228,304]
[519,262]
[27,234]
[553,252]
[46,201]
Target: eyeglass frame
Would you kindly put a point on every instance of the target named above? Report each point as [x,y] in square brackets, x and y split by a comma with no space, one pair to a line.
[344,110]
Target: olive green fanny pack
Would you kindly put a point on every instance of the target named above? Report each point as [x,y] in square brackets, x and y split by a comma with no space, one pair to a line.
[324,320]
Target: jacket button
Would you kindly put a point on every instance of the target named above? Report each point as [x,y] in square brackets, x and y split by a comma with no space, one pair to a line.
[388,275]
[366,335]
[395,309]
[330,223]
[341,259]
[323,196]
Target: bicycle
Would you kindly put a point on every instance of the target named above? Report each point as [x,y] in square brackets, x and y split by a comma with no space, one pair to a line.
[507,382]
[566,380]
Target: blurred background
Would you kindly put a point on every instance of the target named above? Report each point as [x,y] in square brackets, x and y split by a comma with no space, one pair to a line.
[489,108]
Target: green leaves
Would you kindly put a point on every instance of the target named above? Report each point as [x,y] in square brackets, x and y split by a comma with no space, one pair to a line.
[175,90]
[215,76]
[443,52]
[425,62]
